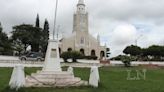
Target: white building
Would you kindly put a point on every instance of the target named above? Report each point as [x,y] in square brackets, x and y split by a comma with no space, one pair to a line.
[80,39]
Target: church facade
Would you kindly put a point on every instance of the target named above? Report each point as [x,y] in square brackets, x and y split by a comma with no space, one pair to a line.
[80,39]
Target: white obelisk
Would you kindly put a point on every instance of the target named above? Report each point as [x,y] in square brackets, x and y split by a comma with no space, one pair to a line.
[52,60]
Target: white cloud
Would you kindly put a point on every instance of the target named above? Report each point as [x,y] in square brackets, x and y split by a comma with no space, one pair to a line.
[104,17]
[123,35]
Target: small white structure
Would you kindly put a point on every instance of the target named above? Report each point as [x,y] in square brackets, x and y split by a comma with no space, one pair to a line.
[17,79]
[94,78]
[70,69]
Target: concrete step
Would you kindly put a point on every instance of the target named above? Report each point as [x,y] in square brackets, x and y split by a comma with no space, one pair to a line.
[53,72]
[80,83]
[49,76]
[52,80]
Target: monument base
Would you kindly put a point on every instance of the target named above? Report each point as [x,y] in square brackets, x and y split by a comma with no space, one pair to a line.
[53,79]
[52,74]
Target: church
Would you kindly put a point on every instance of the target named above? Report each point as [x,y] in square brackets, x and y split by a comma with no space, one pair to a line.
[80,39]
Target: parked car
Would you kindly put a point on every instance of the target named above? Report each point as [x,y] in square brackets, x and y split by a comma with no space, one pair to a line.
[32,56]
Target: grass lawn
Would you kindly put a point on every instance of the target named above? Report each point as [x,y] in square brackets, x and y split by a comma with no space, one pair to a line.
[113,79]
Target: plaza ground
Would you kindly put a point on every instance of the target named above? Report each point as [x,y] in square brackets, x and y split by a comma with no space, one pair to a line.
[113,79]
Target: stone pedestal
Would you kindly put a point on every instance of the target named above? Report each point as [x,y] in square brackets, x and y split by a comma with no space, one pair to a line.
[52,75]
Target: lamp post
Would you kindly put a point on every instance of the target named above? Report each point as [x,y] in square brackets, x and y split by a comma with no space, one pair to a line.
[54,29]
[136,40]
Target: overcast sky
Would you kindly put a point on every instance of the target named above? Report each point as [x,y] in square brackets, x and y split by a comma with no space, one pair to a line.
[119,22]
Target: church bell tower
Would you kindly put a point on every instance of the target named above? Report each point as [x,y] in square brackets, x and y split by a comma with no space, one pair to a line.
[80,20]
[81,7]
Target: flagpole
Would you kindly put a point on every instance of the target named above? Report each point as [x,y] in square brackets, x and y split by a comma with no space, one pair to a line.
[54,29]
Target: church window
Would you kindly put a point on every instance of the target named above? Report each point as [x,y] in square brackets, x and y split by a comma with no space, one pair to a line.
[82,40]
[82,51]
[69,49]
[93,53]
[102,54]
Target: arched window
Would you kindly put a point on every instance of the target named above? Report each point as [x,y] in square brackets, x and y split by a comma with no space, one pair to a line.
[102,54]
[82,40]
[93,53]
[59,51]
[69,49]
[82,51]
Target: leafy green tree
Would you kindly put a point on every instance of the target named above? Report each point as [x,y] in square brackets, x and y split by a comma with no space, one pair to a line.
[0,27]
[18,46]
[5,44]
[132,50]
[155,50]
[27,35]
[45,36]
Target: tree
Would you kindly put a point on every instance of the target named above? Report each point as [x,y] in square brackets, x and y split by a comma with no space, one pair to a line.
[155,50]
[132,50]
[5,44]
[37,21]
[0,27]
[45,36]
[18,46]
[27,35]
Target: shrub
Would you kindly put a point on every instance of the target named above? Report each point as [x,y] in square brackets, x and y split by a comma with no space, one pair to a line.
[126,60]
[65,56]
[74,55]
[90,57]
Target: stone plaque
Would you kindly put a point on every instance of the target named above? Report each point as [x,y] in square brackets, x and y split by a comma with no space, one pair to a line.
[53,53]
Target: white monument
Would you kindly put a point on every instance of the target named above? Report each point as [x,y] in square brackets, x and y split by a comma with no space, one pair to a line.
[70,69]
[17,79]
[52,62]
[52,74]
[94,78]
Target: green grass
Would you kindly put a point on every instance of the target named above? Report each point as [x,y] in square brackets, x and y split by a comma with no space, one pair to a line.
[113,79]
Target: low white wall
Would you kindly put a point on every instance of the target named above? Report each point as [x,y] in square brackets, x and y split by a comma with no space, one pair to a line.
[140,62]
[88,61]
[8,58]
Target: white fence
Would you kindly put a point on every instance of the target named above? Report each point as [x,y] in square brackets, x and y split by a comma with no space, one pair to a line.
[10,61]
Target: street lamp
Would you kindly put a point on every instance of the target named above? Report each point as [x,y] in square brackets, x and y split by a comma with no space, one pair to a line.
[136,40]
